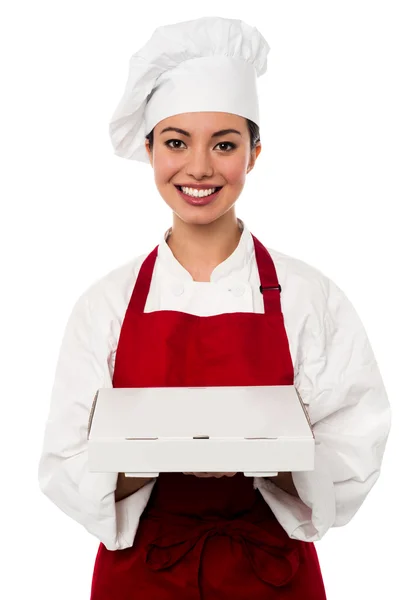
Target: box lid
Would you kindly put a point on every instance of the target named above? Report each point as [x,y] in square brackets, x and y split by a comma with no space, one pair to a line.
[191,412]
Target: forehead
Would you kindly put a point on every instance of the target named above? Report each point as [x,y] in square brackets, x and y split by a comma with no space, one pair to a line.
[204,122]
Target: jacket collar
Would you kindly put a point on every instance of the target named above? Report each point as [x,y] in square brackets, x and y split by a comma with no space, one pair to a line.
[236,265]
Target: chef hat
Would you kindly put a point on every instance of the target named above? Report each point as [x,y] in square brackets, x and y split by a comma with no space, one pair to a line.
[208,64]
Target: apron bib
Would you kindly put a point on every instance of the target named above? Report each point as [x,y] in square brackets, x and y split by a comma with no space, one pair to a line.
[206,538]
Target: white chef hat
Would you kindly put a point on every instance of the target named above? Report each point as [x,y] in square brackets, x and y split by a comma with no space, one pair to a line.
[208,64]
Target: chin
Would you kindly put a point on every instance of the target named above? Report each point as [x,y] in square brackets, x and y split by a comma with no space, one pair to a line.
[199,215]
[198,220]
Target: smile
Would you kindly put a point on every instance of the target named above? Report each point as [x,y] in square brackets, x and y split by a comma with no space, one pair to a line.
[197,193]
[197,197]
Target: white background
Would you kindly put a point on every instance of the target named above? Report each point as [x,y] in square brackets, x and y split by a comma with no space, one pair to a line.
[325,190]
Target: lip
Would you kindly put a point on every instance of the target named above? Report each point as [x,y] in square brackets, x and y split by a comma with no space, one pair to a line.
[199,201]
[198,187]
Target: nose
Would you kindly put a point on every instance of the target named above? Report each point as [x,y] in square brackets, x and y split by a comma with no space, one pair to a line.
[200,164]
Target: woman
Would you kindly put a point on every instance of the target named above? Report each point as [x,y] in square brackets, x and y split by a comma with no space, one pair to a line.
[210,305]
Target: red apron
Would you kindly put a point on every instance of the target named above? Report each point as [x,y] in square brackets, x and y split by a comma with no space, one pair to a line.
[206,538]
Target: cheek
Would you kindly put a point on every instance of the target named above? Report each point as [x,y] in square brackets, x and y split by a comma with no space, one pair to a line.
[234,171]
[165,166]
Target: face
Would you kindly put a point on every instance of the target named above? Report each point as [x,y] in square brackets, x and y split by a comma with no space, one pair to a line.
[201,151]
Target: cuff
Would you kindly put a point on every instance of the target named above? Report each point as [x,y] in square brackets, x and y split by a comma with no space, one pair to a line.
[308,517]
[128,512]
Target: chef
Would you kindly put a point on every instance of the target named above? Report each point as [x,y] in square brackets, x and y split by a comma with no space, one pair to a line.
[209,306]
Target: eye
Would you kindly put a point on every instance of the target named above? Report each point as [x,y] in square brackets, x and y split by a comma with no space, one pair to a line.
[232,146]
[173,142]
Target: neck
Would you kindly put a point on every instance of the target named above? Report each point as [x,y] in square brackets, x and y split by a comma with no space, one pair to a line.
[200,248]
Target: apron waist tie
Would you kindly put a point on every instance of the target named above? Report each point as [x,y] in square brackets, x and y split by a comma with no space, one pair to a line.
[273,561]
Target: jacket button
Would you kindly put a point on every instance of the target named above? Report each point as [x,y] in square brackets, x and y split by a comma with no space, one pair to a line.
[238,290]
[178,289]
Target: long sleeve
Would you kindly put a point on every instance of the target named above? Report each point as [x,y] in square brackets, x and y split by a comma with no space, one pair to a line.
[64,478]
[340,382]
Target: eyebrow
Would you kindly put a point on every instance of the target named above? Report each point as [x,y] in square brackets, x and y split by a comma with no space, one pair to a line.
[214,135]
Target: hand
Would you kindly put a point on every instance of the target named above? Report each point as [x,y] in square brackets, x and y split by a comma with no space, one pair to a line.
[218,475]
[129,485]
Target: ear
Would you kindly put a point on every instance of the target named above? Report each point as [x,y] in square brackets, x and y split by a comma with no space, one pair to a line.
[254,155]
[149,152]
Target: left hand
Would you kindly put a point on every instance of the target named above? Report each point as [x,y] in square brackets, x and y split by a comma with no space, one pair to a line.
[211,474]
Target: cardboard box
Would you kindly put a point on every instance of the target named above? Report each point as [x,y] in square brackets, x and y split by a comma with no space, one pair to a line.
[257,430]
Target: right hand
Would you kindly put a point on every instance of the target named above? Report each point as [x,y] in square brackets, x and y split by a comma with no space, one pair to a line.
[129,485]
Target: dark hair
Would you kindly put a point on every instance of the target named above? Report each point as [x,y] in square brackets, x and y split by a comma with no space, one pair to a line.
[253,128]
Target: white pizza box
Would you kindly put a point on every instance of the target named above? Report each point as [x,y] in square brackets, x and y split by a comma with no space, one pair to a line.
[257,430]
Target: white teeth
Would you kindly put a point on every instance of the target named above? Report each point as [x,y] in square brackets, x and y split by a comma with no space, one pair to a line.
[198,193]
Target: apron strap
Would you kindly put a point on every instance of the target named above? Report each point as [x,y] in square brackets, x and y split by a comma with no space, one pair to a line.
[269,284]
[142,287]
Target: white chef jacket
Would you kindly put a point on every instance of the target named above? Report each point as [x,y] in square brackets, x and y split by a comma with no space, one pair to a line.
[335,371]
